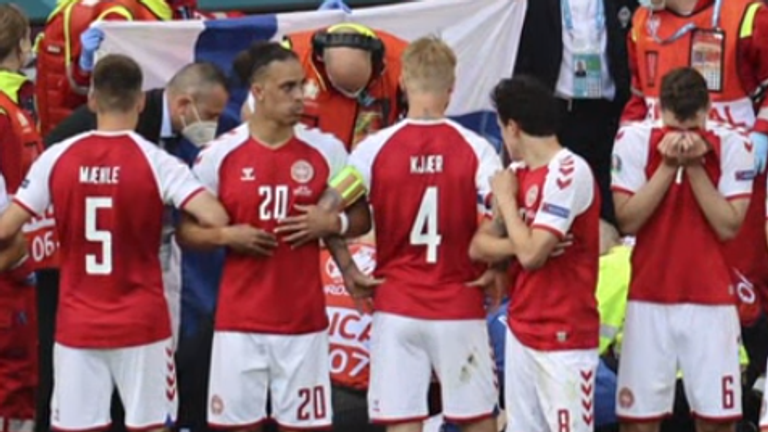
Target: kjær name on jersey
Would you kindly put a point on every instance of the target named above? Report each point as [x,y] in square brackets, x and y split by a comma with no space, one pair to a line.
[427,164]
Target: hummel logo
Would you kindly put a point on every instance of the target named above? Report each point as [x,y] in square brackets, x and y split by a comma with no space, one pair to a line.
[248,175]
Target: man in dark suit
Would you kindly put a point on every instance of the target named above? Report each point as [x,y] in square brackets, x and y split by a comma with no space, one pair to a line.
[184,113]
[578,49]
[188,107]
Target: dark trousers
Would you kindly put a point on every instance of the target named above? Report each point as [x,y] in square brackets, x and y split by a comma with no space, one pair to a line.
[588,128]
[350,411]
[47,299]
[193,363]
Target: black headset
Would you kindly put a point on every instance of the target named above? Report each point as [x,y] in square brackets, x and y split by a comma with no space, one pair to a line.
[363,38]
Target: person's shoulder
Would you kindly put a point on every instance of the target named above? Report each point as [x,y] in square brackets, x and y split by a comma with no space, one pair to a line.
[636,133]
[727,132]
[374,142]
[228,141]
[476,141]
[319,140]
[567,166]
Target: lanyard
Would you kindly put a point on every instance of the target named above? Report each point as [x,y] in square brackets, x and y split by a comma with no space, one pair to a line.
[684,30]
[565,7]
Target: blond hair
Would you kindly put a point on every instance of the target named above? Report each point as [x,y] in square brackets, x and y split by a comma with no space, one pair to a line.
[429,65]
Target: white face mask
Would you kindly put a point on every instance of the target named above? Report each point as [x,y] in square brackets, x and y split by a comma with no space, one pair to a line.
[654,5]
[200,132]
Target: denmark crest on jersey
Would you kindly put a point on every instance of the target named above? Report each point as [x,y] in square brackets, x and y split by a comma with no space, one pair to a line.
[531,195]
[302,171]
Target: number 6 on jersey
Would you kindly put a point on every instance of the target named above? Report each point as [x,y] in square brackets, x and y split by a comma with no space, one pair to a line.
[92,234]
[425,231]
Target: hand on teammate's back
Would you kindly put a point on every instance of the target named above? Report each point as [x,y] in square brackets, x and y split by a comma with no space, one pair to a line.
[493,282]
[249,240]
[564,244]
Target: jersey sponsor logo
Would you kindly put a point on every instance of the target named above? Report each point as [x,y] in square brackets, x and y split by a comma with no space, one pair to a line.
[247,174]
[556,210]
[531,196]
[302,171]
[745,175]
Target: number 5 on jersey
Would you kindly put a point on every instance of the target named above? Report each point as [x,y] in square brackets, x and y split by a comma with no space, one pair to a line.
[92,234]
[425,230]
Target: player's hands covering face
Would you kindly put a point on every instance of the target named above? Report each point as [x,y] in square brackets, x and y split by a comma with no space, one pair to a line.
[670,147]
[683,148]
[693,148]
[249,240]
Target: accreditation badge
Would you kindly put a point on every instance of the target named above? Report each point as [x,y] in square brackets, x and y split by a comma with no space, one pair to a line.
[587,75]
[707,52]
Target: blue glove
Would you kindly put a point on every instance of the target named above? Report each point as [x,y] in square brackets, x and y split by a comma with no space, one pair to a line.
[335,4]
[760,140]
[91,41]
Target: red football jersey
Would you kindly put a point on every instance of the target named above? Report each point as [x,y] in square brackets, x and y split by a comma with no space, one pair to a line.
[425,180]
[109,192]
[678,257]
[259,185]
[554,307]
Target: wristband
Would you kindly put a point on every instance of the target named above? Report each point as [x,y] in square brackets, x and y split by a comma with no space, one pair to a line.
[344,221]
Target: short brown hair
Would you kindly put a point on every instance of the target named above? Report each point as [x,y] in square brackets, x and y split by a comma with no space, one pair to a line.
[429,64]
[684,93]
[117,81]
[14,27]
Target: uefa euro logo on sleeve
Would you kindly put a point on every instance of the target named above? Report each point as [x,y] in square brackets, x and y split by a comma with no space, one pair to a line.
[555,210]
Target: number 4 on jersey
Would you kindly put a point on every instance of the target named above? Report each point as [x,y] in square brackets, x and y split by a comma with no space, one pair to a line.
[425,231]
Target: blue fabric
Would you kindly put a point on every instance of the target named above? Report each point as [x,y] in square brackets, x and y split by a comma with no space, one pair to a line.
[760,141]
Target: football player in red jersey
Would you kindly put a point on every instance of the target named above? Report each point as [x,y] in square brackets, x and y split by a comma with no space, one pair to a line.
[113,323]
[682,186]
[551,350]
[271,326]
[426,317]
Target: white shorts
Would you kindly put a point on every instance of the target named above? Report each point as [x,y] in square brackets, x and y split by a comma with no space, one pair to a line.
[145,377]
[548,390]
[292,369]
[701,340]
[405,351]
